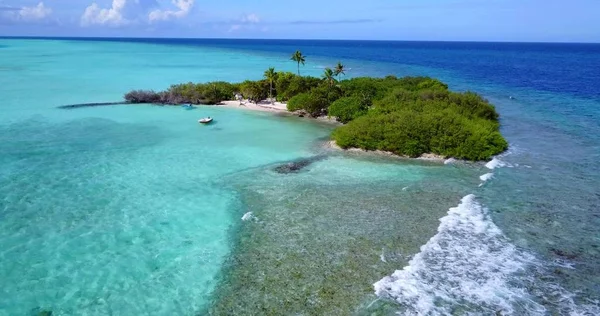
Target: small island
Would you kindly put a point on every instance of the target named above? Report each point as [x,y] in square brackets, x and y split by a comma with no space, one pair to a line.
[409,116]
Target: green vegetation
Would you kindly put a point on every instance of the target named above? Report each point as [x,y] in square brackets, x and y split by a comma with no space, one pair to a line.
[270,76]
[408,116]
[254,91]
[329,76]
[339,69]
[281,85]
[298,58]
[194,93]
[413,116]
[348,108]
[289,85]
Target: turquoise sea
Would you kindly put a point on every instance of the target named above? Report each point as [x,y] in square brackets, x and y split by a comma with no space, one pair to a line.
[137,210]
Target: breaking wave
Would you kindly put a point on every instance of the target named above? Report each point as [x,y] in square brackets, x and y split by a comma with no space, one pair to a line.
[465,267]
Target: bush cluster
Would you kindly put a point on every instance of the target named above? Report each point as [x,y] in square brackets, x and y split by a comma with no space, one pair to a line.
[193,93]
[285,86]
[348,108]
[289,85]
[417,116]
[407,116]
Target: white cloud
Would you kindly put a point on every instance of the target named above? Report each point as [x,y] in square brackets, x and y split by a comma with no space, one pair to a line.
[184,7]
[38,12]
[250,18]
[247,21]
[28,14]
[93,14]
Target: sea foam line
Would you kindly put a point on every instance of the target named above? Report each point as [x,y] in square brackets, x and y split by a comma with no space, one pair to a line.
[486,177]
[495,163]
[467,263]
[248,216]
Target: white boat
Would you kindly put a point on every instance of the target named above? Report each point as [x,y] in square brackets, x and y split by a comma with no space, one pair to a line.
[205,120]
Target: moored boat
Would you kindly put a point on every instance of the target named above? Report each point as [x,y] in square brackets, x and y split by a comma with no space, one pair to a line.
[205,120]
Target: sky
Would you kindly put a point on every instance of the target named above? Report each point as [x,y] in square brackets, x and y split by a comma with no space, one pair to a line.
[428,20]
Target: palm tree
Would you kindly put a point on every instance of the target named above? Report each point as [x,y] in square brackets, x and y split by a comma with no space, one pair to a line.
[299,58]
[328,75]
[339,69]
[271,75]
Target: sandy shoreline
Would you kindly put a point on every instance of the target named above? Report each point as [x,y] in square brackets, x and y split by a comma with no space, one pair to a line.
[276,107]
[427,157]
[260,106]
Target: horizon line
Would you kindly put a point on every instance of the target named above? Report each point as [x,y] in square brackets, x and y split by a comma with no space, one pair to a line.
[286,39]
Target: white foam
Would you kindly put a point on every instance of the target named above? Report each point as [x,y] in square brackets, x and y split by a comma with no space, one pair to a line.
[495,163]
[566,304]
[449,161]
[486,177]
[467,263]
[248,216]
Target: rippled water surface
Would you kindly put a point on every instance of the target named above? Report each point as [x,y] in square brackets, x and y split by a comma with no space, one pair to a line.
[137,210]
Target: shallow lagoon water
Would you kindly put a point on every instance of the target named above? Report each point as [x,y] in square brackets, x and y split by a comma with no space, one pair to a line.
[137,209]
[101,216]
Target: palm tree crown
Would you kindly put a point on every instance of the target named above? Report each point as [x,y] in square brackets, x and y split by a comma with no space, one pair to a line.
[339,69]
[298,58]
[270,75]
[328,75]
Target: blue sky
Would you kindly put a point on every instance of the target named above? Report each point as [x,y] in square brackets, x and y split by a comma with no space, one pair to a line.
[452,20]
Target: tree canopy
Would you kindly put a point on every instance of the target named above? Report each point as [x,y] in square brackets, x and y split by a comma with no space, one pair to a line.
[339,69]
[270,75]
[299,59]
[329,76]
[407,116]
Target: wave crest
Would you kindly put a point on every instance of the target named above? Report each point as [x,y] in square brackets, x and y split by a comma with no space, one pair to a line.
[464,267]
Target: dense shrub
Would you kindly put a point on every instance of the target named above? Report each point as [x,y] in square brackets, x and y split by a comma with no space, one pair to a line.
[218,91]
[316,101]
[204,93]
[282,83]
[416,115]
[313,103]
[407,116]
[348,108]
[414,127]
[289,85]
[366,88]
[298,102]
[431,84]
[417,83]
[377,88]
[255,91]
[142,96]
[472,104]
[327,92]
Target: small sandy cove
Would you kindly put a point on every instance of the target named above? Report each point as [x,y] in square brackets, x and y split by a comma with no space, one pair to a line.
[279,107]
[260,106]
[275,107]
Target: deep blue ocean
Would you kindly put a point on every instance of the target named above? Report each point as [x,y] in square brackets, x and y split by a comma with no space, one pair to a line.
[523,240]
[552,67]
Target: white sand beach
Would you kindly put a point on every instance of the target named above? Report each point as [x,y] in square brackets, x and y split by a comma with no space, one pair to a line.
[275,107]
[260,106]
